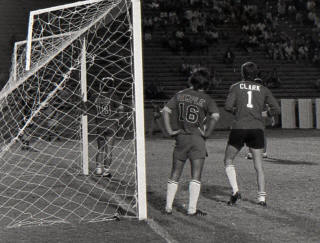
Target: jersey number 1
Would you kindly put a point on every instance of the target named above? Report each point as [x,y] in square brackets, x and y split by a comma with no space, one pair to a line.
[249,104]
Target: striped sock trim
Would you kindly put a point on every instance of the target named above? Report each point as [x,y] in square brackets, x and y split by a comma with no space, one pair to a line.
[195,181]
[262,196]
[172,182]
[230,166]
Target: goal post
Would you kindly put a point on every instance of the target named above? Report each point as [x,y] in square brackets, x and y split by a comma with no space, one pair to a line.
[139,101]
[84,117]
[50,129]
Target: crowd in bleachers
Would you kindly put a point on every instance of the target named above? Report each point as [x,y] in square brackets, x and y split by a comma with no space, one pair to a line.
[285,30]
[189,25]
[261,30]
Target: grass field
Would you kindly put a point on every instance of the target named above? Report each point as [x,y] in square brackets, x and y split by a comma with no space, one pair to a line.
[292,175]
[293,212]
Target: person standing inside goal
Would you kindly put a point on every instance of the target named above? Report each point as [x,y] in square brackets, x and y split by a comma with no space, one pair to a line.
[108,106]
[190,116]
[247,100]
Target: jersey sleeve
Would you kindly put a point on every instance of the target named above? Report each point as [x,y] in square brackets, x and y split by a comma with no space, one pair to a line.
[274,107]
[231,100]
[171,105]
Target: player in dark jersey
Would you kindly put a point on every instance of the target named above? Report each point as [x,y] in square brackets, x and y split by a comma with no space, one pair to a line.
[108,106]
[247,100]
[190,116]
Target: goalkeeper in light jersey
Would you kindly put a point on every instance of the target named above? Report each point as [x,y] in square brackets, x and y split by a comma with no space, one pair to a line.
[108,106]
[247,100]
[190,116]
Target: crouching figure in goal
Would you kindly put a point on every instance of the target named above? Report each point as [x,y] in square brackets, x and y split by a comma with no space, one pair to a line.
[108,106]
[190,116]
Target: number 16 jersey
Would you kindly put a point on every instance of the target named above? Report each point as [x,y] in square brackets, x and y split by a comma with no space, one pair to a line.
[247,101]
[189,109]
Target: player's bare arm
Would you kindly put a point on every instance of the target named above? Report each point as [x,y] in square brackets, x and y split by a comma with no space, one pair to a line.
[211,123]
[166,118]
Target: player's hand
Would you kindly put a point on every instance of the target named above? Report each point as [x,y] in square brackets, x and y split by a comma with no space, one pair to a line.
[203,134]
[264,114]
[175,133]
[273,121]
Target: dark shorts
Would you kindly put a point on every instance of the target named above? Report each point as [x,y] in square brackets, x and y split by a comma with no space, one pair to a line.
[253,138]
[106,128]
[189,147]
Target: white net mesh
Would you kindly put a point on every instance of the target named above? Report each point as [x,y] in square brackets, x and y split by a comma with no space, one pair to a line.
[41,154]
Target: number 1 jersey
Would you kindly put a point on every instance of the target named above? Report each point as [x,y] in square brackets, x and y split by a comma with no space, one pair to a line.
[247,100]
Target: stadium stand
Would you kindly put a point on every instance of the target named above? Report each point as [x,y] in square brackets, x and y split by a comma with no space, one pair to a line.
[167,68]
[297,78]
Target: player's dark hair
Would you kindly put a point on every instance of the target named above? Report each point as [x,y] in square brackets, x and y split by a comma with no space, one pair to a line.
[258,80]
[200,79]
[249,71]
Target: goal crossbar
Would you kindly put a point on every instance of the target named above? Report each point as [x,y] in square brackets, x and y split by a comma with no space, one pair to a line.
[76,35]
[46,10]
[64,6]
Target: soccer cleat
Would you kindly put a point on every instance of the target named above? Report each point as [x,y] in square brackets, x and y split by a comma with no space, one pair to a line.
[167,211]
[262,203]
[249,156]
[106,173]
[100,171]
[234,198]
[197,213]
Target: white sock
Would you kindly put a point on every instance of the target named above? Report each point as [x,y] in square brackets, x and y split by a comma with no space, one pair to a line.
[172,188]
[262,196]
[194,192]
[232,176]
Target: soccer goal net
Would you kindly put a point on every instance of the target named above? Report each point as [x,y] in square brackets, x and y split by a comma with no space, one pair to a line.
[53,133]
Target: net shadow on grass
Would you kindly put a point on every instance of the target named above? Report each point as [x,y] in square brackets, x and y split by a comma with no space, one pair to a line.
[52,189]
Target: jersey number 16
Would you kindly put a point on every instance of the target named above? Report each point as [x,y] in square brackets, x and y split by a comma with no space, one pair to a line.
[191,113]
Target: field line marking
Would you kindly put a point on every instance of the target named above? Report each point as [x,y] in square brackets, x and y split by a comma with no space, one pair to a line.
[158,229]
